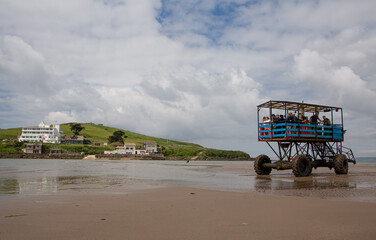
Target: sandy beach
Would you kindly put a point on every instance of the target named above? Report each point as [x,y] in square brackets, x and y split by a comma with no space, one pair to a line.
[322,206]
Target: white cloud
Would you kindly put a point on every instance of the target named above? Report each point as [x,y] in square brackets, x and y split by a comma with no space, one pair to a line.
[334,83]
[22,67]
[187,103]
[60,117]
[187,70]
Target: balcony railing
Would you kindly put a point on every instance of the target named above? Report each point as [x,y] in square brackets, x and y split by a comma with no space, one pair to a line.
[300,130]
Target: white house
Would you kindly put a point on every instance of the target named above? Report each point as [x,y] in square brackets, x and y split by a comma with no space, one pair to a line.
[42,133]
[150,146]
[32,148]
[129,148]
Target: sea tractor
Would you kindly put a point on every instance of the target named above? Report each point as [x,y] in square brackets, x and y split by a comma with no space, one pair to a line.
[302,136]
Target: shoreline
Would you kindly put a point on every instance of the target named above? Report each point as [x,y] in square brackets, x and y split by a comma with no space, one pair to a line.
[112,157]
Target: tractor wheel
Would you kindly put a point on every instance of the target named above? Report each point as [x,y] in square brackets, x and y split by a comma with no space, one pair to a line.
[258,165]
[301,166]
[341,165]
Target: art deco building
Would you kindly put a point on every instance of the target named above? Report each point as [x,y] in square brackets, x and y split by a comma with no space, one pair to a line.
[42,133]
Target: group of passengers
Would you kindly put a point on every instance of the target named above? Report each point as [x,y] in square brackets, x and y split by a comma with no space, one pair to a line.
[291,118]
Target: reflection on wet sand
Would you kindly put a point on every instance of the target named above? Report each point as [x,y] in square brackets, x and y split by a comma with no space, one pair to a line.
[48,184]
[9,186]
[263,183]
[321,186]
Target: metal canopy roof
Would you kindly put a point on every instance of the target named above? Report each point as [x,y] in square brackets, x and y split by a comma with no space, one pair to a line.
[296,106]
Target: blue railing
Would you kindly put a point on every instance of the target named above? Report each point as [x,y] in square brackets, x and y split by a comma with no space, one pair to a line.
[297,130]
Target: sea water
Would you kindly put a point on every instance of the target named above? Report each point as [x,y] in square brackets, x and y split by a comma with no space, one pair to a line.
[23,177]
[46,176]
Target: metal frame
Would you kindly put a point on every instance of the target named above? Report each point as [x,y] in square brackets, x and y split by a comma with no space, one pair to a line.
[318,151]
[301,107]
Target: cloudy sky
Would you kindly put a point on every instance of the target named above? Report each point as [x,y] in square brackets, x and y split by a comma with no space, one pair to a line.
[187,70]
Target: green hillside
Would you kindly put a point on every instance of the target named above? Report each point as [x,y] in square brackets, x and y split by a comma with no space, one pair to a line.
[10,133]
[99,133]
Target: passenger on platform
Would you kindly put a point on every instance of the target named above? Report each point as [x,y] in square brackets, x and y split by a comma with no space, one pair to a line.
[290,118]
[261,128]
[282,119]
[266,122]
[314,121]
[274,118]
[326,121]
[314,118]
[300,118]
[279,119]
[294,117]
[304,120]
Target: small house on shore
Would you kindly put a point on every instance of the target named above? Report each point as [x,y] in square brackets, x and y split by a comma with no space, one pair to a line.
[130,148]
[150,146]
[32,148]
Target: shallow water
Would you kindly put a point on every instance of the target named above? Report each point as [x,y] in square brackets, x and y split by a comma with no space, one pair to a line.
[22,177]
[40,176]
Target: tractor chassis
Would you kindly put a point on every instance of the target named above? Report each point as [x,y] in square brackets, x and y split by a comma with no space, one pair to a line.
[320,153]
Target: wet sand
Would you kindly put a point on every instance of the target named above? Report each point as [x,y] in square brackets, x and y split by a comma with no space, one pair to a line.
[322,206]
[358,185]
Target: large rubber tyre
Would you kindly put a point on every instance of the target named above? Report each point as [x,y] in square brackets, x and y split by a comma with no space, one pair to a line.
[258,165]
[341,164]
[301,166]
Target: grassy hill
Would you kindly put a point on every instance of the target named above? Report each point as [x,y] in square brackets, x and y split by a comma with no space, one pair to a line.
[99,133]
[10,133]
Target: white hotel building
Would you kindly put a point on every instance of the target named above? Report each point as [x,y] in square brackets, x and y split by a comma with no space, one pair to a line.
[41,133]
